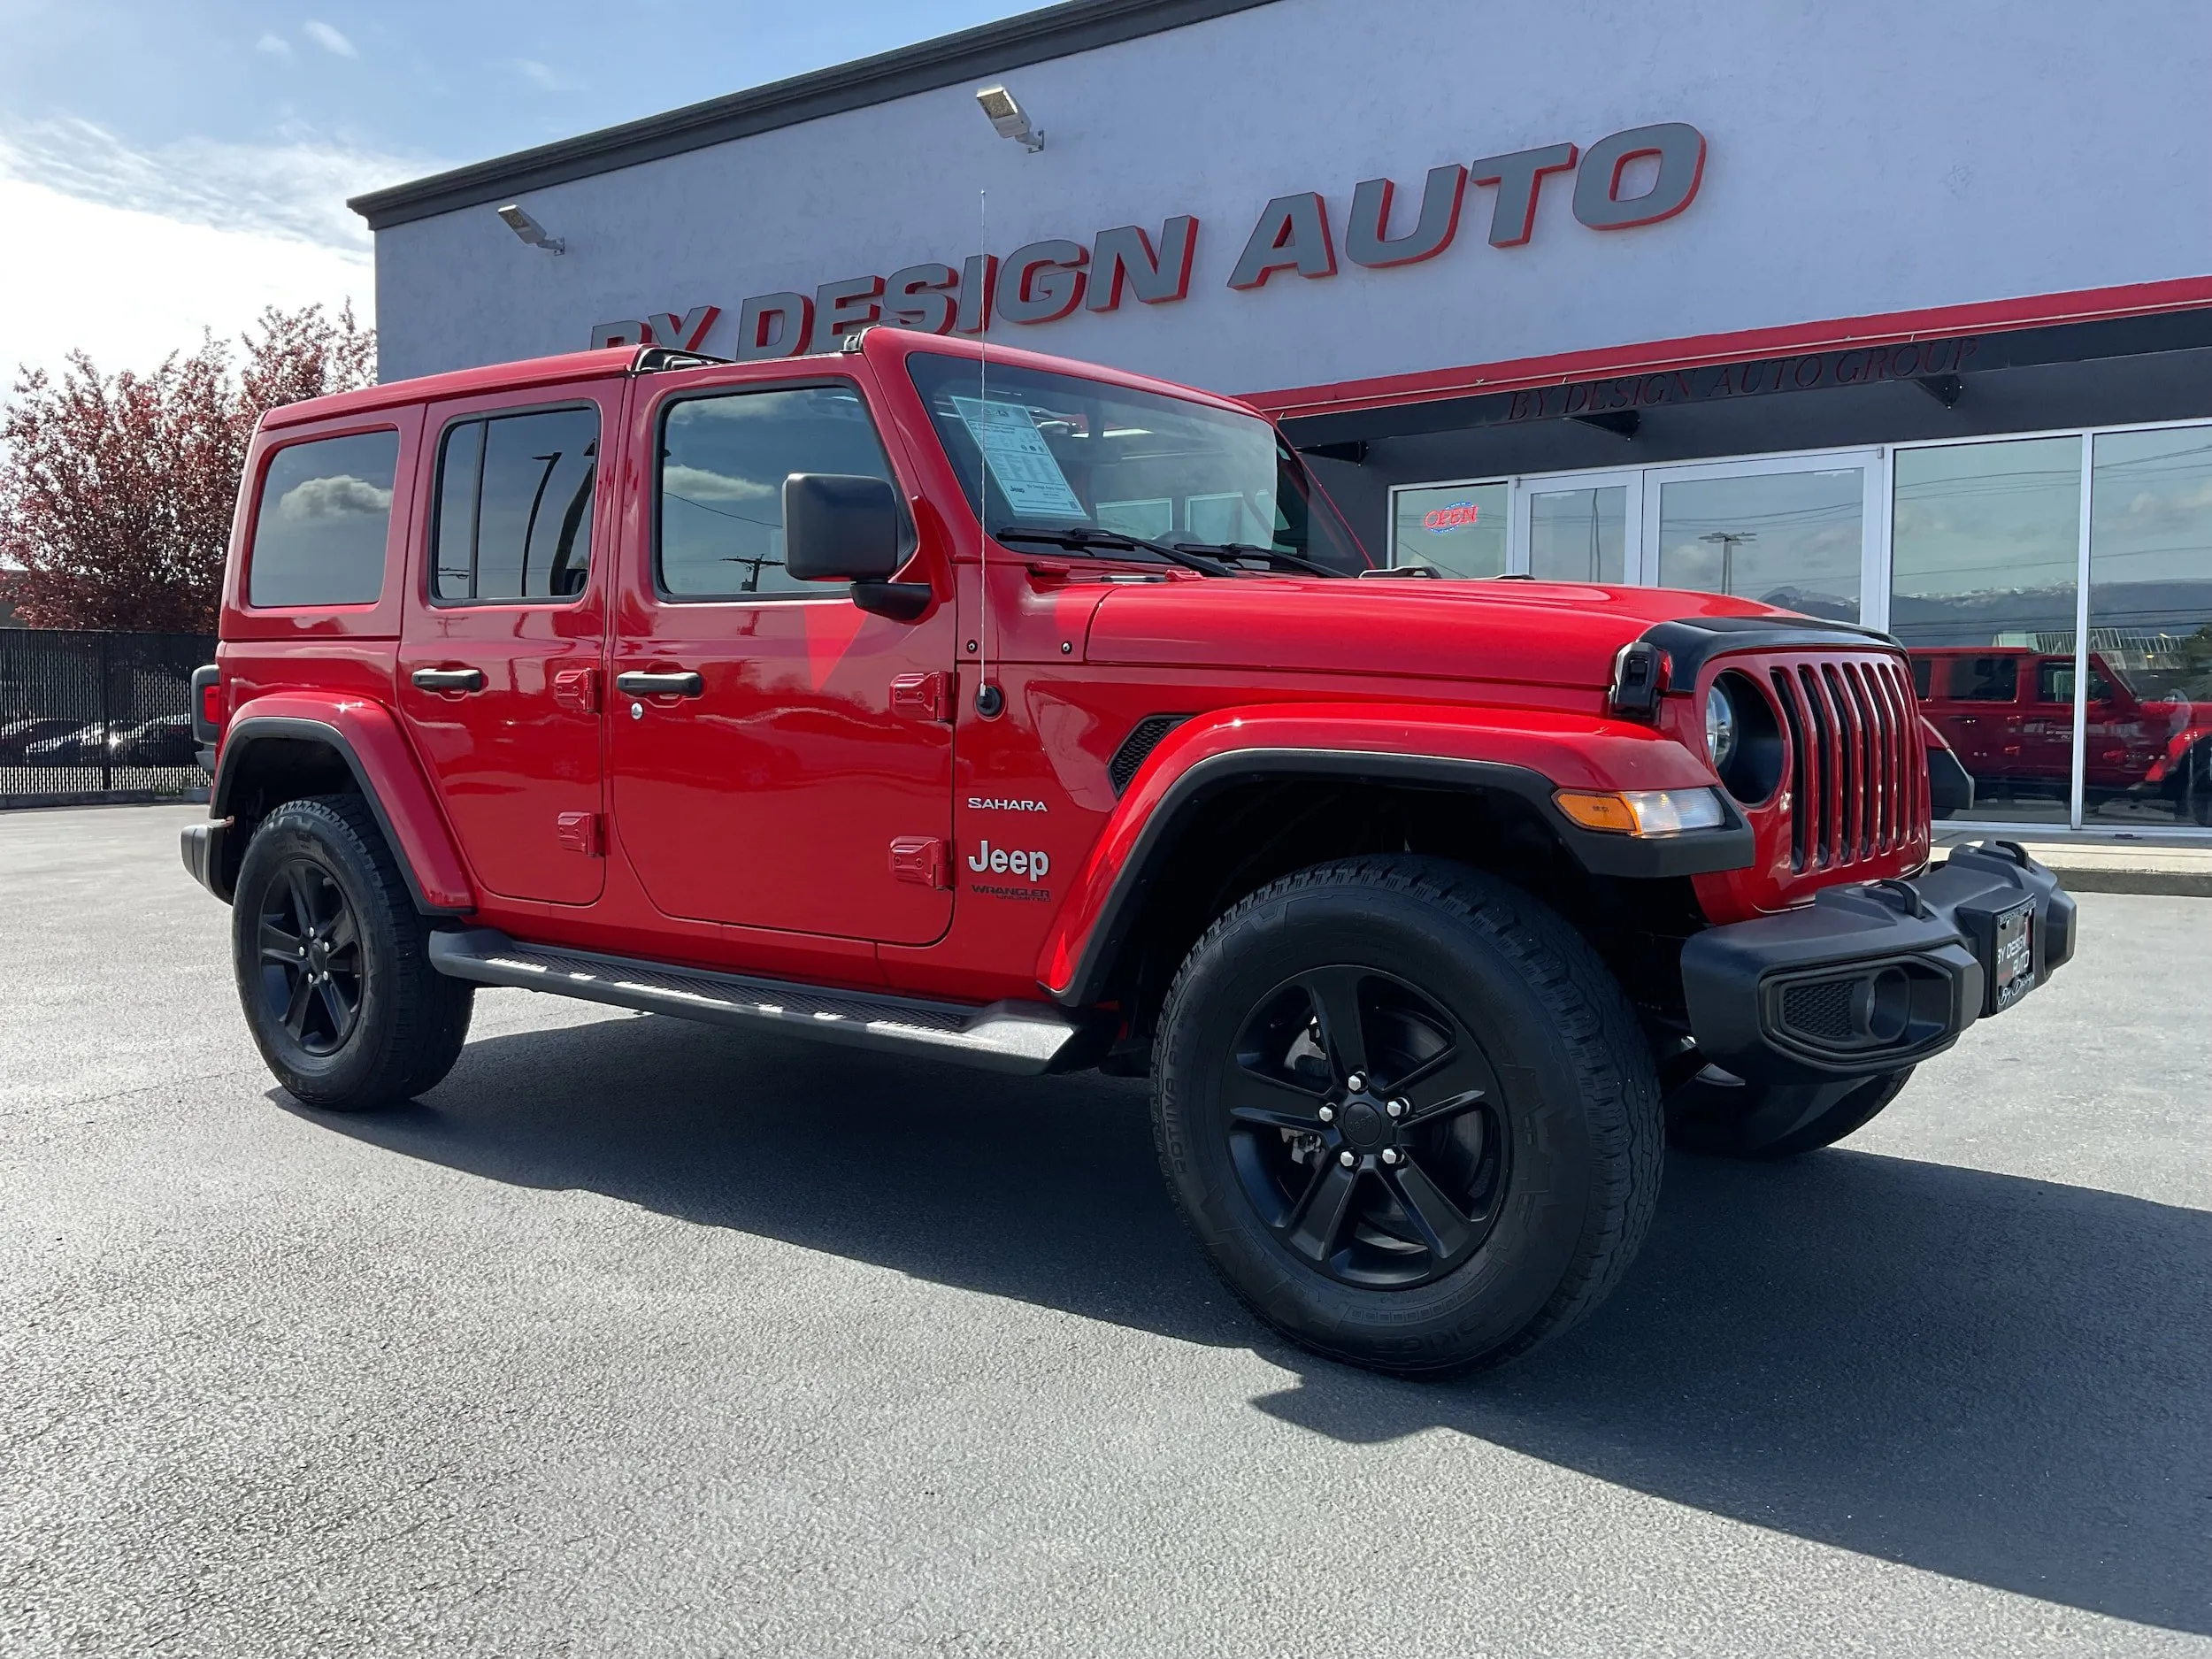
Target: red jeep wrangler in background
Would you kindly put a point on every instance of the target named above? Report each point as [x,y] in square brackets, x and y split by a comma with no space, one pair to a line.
[1039,716]
[2008,714]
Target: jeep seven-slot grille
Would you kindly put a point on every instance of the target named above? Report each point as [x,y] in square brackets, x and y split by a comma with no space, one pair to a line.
[1855,759]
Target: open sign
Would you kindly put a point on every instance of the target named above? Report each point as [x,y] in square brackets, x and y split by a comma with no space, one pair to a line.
[1459,515]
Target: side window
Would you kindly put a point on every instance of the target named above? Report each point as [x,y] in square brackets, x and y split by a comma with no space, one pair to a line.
[2054,683]
[1923,677]
[724,459]
[1984,679]
[514,508]
[319,531]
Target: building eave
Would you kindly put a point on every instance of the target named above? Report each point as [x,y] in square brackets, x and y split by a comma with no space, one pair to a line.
[991,49]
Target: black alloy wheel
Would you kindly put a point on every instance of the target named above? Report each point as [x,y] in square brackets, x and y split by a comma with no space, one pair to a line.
[333,961]
[1408,1112]
[310,956]
[1365,1127]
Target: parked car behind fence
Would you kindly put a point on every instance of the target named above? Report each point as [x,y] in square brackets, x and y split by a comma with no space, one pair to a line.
[88,715]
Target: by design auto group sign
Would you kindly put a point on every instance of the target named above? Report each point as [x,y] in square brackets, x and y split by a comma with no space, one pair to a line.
[1637,177]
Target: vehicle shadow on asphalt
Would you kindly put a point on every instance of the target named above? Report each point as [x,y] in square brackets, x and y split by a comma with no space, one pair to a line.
[1999,1379]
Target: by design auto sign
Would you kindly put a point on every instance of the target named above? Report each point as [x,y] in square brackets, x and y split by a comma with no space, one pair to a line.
[1632,178]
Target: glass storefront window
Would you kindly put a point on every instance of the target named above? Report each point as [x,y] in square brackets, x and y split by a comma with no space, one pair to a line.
[1793,539]
[2148,754]
[1579,535]
[1459,528]
[1985,544]
[1984,569]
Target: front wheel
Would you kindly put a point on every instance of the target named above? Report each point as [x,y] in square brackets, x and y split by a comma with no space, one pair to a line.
[333,962]
[1744,1120]
[1408,1112]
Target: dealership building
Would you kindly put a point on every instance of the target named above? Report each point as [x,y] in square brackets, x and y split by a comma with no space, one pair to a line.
[1890,312]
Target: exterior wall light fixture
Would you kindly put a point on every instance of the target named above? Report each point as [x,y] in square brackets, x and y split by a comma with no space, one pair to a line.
[530,230]
[1008,119]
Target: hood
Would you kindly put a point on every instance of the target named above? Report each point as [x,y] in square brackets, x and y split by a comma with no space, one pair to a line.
[1550,633]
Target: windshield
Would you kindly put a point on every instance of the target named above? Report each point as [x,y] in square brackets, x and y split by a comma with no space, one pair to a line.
[1056,451]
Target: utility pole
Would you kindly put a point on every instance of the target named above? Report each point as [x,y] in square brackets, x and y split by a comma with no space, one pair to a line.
[1729,541]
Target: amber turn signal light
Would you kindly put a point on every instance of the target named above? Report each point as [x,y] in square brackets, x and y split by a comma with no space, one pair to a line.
[1642,811]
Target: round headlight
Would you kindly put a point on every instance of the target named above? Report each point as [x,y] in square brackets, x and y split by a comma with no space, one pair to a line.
[1720,728]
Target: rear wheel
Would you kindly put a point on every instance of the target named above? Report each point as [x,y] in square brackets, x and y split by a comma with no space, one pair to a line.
[333,962]
[2196,787]
[1408,1112]
[1744,1120]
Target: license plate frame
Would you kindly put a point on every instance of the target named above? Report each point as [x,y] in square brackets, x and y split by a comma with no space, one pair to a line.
[2011,963]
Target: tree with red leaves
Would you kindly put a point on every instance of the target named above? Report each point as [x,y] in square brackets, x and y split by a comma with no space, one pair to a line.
[116,491]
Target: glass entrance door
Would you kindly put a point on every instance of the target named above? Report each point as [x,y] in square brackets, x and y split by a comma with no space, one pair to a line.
[1800,533]
[1578,526]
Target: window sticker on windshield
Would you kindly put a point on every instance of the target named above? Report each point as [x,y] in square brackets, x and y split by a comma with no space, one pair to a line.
[1030,479]
[1150,518]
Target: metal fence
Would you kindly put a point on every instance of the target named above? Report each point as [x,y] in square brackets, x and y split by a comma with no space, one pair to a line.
[91,717]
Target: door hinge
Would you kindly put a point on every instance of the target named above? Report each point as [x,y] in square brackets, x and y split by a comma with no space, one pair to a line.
[578,833]
[577,689]
[921,859]
[923,697]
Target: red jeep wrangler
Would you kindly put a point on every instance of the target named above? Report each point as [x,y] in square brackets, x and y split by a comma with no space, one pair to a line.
[2007,713]
[1037,716]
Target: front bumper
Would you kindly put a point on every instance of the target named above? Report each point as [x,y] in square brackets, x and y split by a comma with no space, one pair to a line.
[1877,975]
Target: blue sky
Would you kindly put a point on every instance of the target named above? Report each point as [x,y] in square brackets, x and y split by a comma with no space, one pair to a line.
[168,165]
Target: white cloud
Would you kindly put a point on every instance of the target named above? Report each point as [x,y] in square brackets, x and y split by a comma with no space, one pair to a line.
[130,287]
[543,76]
[275,45]
[130,256]
[695,483]
[329,38]
[297,188]
[344,496]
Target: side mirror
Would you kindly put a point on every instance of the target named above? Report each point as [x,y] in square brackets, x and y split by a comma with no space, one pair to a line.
[844,527]
[839,527]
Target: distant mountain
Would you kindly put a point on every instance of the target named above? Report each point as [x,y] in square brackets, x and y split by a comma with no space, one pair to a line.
[2174,607]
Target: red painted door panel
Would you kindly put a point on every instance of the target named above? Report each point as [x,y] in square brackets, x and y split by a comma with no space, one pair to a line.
[798,787]
[501,652]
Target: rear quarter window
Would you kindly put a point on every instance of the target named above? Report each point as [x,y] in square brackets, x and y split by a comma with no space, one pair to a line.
[324,520]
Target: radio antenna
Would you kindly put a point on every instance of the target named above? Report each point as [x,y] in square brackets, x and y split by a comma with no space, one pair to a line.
[990,699]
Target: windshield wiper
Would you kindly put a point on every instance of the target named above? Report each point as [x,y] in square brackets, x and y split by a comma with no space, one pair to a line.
[1077,539]
[1273,555]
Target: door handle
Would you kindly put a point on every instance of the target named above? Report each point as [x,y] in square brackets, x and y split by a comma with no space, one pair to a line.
[448,679]
[682,683]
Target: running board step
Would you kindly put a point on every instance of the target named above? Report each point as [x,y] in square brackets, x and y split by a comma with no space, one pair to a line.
[1028,1038]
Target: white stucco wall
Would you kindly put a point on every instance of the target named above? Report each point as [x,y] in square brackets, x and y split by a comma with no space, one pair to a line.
[1886,156]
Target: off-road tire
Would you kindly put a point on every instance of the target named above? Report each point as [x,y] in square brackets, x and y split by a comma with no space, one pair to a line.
[2194,804]
[409,1021]
[1578,1110]
[1724,1122]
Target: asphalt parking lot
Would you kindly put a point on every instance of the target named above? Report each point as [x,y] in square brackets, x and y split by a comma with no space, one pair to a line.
[641,1338]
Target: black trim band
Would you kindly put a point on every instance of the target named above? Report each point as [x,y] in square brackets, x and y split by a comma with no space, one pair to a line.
[1695,852]
[1058,31]
[248,732]
[1693,641]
